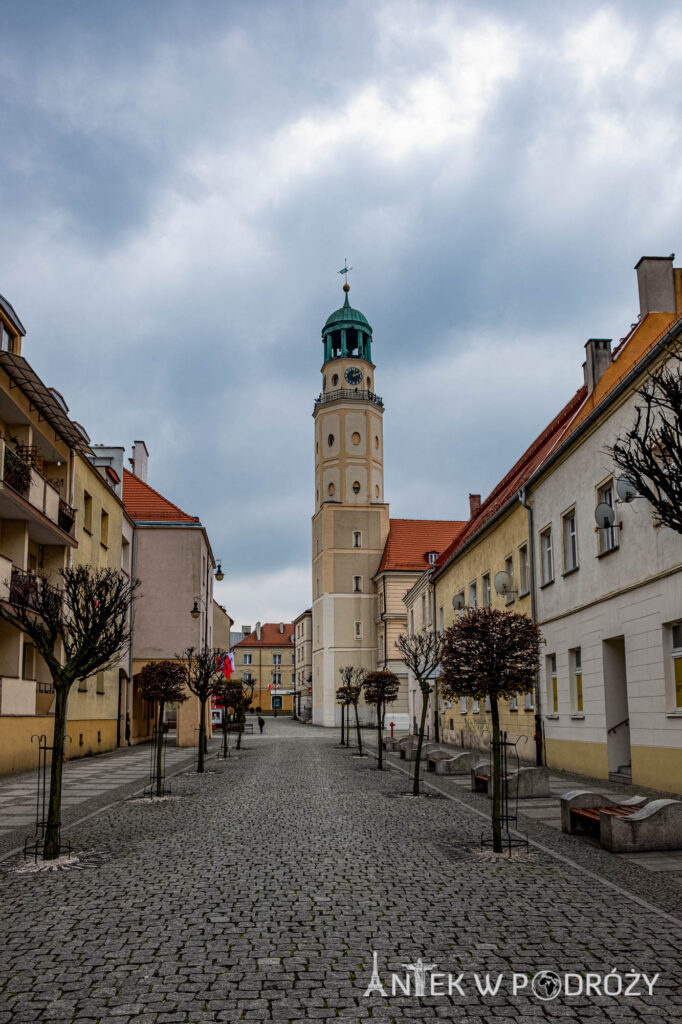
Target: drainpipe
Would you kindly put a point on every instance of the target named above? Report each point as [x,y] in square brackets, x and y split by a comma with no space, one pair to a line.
[436,726]
[385,627]
[539,740]
[129,680]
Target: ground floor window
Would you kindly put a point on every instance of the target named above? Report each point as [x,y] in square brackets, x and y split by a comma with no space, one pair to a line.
[552,684]
[276,703]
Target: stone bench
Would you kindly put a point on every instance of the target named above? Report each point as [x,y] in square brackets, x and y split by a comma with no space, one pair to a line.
[409,752]
[632,825]
[444,762]
[391,743]
[522,783]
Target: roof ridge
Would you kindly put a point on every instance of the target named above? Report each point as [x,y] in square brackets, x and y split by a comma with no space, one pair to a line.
[127,475]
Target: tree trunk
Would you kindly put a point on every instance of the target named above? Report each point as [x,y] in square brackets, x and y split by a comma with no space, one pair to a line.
[420,739]
[357,729]
[240,728]
[343,738]
[202,735]
[54,807]
[224,732]
[380,749]
[496,780]
[159,749]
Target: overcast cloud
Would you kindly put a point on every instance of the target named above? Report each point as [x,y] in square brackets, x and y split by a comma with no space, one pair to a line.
[180,182]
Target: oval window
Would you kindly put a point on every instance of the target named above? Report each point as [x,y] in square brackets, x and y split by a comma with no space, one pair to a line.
[376,442]
[376,490]
[355,437]
[330,440]
[331,489]
[356,487]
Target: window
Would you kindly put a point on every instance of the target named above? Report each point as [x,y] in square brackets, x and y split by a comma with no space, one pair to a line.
[276,678]
[608,538]
[293,678]
[356,487]
[247,659]
[104,529]
[570,542]
[6,338]
[331,490]
[472,594]
[677,664]
[509,568]
[411,620]
[552,686]
[247,677]
[330,440]
[487,704]
[358,631]
[524,570]
[432,556]
[276,703]
[462,705]
[293,658]
[441,620]
[357,539]
[546,555]
[514,703]
[423,609]
[576,663]
[485,590]
[100,682]
[277,659]
[476,707]
[528,701]
[335,380]
[87,511]
[357,584]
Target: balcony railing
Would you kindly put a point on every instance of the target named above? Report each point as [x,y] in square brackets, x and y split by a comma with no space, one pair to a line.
[22,476]
[24,588]
[352,394]
[66,516]
[17,473]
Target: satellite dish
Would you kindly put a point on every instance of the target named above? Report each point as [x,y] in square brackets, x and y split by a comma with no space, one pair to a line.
[458,602]
[604,515]
[625,489]
[502,583]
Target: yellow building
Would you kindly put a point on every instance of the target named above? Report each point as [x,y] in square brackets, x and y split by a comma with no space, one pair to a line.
[267,657]
[489,565]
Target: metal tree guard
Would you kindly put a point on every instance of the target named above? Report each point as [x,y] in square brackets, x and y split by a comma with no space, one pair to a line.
[151,789]
[509,813]
[34,845]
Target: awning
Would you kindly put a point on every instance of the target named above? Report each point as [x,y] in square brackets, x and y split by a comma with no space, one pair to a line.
[42,398]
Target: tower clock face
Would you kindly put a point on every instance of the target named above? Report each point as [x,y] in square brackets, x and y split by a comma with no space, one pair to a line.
[353,375]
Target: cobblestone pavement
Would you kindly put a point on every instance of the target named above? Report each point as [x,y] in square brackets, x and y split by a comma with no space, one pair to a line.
[261,889]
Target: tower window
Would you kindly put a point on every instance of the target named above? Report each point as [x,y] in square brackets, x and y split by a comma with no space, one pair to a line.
[335,380]
[376,490]
[357,584]
[330,440]
[376,441]
[355,437]
[356,487]
[331,490]
[357,539]
[369,383]
[358,631]
[324,382]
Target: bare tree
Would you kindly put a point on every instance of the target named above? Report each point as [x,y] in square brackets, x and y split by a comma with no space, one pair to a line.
[78,628]
[421,655]
[650,452]
[343,698]
[381,688]
[352,677]
[488,653]
[200,666]
[236,694]
[162,682]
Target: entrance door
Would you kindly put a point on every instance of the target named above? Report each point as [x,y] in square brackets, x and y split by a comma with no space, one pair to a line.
[616,702]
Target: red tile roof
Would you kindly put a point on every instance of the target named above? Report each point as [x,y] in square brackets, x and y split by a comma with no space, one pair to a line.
[144,504]
[517,475]
[270,636]
[410,541]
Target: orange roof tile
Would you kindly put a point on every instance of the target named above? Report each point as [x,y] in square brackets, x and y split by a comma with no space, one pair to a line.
[517,475]
[144,504]
[270,636]
[410,541]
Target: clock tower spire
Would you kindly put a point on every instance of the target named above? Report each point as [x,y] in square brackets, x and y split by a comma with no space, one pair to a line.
[351,520]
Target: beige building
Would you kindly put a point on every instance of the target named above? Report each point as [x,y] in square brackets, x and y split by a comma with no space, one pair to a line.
[303,696]
[267,658]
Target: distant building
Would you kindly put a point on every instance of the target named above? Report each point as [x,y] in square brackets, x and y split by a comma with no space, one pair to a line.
[267,658]
[303,695]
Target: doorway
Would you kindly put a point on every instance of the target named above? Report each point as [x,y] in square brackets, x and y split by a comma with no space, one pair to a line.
[616,707]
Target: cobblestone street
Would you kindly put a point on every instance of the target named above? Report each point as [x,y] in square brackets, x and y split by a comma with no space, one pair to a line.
[260,890]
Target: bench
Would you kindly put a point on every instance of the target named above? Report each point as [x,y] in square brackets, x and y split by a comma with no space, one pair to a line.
[233,727]
[522,783]
[632,825]
[444,762]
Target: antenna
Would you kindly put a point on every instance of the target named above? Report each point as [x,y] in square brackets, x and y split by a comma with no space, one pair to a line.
[605,515]
[626,490]
[503,583]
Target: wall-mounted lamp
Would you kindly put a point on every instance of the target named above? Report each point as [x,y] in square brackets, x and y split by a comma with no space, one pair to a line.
[195,613]
[219,574]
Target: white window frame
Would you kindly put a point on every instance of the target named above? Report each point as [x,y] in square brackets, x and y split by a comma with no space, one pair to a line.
[472,600]
[552,684]
[524,570]
[509,568]
[575,663]
[675,655]
[547,555]
[441,620]
[357,631]
[247,659]
[485,590]
[462,705]
[607,540]
[569,542]
[529,701]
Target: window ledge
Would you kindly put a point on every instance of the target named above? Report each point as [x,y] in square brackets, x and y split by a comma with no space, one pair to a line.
[569,572]
[529,711]
[674,714]
[523,593]
[553,715]
[89,532]
[547,584]
[609,551]
[578,716]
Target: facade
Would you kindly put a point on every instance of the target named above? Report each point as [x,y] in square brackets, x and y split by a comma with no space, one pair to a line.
[303,696]
[267,657]
[357,610]
[609,599]
[172,556]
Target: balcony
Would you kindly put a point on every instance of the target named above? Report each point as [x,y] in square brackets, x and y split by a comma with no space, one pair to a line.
[26,494]
[349,394]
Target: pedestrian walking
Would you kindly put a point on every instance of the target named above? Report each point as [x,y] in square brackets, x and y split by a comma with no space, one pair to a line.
[261,723]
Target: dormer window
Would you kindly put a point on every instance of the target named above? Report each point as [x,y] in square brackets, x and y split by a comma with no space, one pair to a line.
[431,557]
[6,338]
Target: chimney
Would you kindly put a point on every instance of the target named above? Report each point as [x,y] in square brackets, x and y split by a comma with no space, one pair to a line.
[597,358]
[281,627]
[656,284]
[245,631]
[139,460]
[258,631]
[474,504]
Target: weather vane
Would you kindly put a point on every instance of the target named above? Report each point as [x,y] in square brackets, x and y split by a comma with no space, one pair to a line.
[345,269]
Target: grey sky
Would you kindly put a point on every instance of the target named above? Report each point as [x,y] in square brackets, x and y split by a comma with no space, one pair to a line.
[180,182]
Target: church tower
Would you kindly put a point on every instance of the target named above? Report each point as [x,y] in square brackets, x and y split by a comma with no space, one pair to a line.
[351,520]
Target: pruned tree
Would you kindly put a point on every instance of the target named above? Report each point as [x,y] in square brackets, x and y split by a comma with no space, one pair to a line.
[162,682]
[78,628]
[491,654]
[352,677]
[236,694]
[421,654]
[200,666]
[343,698]
[649,454]
[381,688]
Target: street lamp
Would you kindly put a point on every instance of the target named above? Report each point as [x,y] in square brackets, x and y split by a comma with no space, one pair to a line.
[195,613]
[219,574]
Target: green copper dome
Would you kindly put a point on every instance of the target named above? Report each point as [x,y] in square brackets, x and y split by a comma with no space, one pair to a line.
[347,333]
[347,315]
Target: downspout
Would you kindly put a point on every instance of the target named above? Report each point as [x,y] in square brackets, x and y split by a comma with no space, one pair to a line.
[436,727]
[385,626]
[129,681]
[539,739]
